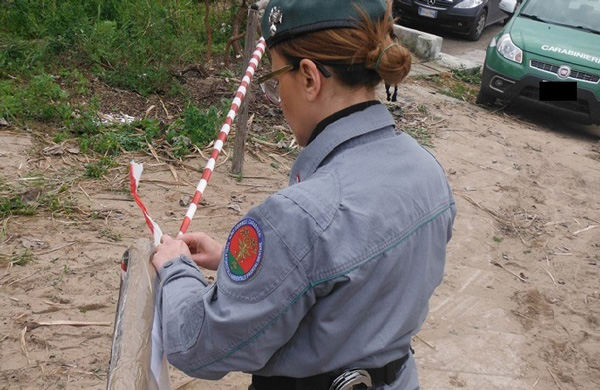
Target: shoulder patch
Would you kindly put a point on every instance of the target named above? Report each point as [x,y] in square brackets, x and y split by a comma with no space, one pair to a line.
[243,250]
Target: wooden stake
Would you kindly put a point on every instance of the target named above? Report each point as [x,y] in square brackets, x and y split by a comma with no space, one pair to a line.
[241,131]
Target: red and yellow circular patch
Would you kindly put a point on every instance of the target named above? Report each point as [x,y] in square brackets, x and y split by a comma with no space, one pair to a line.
[244,250]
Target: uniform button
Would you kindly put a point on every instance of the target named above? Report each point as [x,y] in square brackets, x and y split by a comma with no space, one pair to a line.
[168,264]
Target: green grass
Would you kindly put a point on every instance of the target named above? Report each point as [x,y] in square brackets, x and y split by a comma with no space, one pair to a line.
[56,204]
[51,53]
[22,258]
[132,44]
[14,205]
[196,127]
[40,99]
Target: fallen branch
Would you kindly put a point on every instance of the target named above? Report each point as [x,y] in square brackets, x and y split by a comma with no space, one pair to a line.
[509,271]
[585,230]
[551,277]
[425,342]
[54,250]
[169,183]
[487,210]
[32,325]
[23,278]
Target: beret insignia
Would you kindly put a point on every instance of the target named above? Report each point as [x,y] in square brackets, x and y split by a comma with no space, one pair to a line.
[275,17]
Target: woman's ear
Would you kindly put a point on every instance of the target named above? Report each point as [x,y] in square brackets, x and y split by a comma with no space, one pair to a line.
[310,78]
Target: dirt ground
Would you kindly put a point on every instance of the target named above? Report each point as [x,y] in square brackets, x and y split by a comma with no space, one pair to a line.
[519,307]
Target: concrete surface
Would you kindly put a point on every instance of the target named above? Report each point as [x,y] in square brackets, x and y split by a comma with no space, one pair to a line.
[427,47]
[423,45]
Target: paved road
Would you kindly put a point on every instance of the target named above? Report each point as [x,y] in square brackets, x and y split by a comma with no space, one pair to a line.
[458,46]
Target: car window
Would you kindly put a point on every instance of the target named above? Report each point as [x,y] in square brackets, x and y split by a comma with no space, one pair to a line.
[584,14]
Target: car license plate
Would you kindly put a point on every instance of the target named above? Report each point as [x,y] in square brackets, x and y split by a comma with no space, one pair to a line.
[428,13]
[556,91]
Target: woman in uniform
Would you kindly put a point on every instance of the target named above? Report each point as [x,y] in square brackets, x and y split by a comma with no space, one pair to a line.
[323,284]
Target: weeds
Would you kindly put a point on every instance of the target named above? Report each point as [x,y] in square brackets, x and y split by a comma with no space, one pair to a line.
[49,52]
[423,136]
[41,99]
[14,205]
[471,76]
[22,258]
[65,271]
[42,194]
[56,205]
[195,127]
[110,234]
[133,44]
[461,84]
[114,140]
[96,170]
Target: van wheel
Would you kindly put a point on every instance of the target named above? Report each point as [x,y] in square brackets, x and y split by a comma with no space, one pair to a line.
[478,26]
[484,98]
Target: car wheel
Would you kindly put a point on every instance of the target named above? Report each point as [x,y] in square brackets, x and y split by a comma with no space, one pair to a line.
[478,26]
[484,98]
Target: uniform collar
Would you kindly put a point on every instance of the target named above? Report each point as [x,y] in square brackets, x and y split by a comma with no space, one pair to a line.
[356,124]
[339,115]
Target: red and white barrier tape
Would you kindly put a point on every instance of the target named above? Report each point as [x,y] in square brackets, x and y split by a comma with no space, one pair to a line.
[135,172]
[210,165]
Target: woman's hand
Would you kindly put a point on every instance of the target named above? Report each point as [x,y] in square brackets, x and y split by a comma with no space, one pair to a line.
[206,252]
[169,249]
[199,247]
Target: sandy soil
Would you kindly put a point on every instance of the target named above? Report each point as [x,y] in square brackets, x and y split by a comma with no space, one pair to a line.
[519,307]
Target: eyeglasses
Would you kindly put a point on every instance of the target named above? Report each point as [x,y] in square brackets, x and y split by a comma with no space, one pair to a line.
[269,83]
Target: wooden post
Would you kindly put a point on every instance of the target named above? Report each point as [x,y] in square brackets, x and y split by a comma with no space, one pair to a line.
[241,131]
[131,350]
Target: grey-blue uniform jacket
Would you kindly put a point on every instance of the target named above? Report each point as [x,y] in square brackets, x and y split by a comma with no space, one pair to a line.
[344,262]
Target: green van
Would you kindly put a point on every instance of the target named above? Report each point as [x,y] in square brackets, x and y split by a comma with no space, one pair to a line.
[548,54]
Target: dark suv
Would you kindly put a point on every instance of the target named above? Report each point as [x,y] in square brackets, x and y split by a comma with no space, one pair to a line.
[468,17]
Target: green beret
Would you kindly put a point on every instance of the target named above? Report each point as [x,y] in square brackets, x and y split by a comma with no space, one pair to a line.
[285,19]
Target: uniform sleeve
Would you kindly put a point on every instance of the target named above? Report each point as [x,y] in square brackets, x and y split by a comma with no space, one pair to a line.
[260,296]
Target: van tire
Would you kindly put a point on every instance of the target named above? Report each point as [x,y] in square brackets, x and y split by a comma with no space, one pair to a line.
[478,26]
[485,99]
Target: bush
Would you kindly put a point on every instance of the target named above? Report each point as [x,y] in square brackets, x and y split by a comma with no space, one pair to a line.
[195,127]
